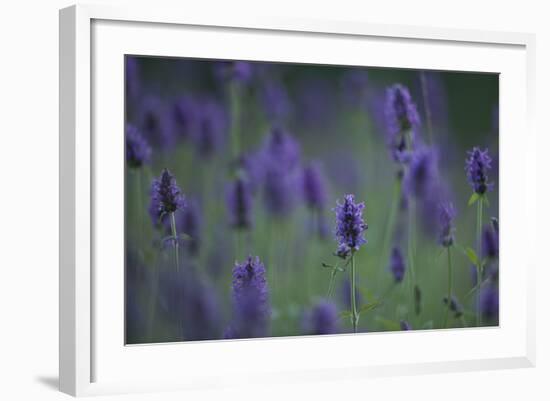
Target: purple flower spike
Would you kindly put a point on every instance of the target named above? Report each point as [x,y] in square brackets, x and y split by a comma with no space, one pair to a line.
[489,242]
[401,113]
[211,128]
[315,193]
[447,214]
[250,299]
[239,204]
[421,176]
[281,159]
[166,196]
[350,227]
[397,265]
[138,151]
[186,117]
[190,222]
[239,71]
[322,319]
[478,165]
[489,302]
[275,100]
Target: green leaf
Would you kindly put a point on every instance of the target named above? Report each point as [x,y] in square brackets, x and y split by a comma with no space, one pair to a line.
[184,236]
[473,199]
[345,314]
[471,254]
[371,306]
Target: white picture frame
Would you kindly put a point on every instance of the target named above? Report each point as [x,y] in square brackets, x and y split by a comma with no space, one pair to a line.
[89,35]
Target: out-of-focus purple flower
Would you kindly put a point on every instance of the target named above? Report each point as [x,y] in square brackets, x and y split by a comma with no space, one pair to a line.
[489,242]
[250,298]
[186,117]
[155,122]
[211,128]
[354,84]
[239,204]
[239,71]
[315,193]
[454,306]
[405,326]
[447,214]
[189,221]
[314,102]
[138,151]
[434,100]
[190,305]
[422,173]
[489,302]
[132,78]
[275,100]
[252,167]
[322,319]
[166,196]
[401,112]
[346,294]
[281,158]
[350,226]
[478,165]
[397,265]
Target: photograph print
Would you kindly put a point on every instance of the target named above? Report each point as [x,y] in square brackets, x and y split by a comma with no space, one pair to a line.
[267,199]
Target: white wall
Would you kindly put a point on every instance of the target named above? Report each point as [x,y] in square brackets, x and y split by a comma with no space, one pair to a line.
[29,185]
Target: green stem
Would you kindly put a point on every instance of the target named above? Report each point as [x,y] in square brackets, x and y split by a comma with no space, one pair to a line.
[411,242]
[479,266]
[449,286]
[354,313]
[331,283]
[389,228]
[175,238]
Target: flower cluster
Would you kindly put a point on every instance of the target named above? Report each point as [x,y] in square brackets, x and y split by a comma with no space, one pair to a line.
[422,173]
[138,151]
[397,265]
[402,119]
[315,193]
[322,319]
[350,226]
[251,299]
[447,214]
[478,165]
[166,196]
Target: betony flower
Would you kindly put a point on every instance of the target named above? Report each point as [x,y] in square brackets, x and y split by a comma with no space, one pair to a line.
[239,204]
[489,242]
[166,196]
[314,189]
[281,159]
[322,319]
[489,302]
[350,226]
[478,165]
[185,112]
[401,112]
[138,151]
[397,265]
[447,214]
[211,126]
[239,71]
[250,299]
[275,100]
[422,173]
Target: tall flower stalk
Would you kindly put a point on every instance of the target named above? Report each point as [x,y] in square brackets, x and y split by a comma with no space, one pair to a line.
[478,164]
[350,229]
[446,239]
[166,199]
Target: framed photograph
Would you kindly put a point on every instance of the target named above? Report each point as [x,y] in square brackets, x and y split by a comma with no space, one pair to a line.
[290,200]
